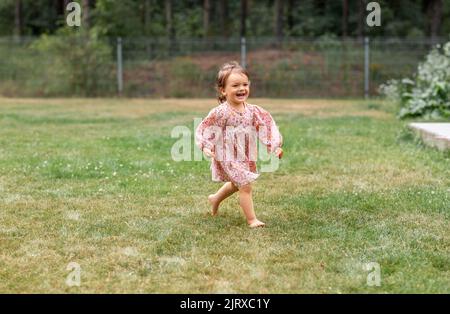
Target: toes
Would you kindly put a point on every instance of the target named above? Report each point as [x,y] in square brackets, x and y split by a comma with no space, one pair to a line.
[257,224]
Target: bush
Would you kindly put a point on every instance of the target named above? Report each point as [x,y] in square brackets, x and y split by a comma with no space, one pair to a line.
[427,95]
[79,63]
[185,79]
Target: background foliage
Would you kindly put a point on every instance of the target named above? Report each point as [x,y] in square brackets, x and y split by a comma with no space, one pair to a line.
[196,18]
[428,93]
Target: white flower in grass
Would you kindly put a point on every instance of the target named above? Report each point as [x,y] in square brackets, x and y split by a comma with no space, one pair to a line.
[73,215]
[130,251]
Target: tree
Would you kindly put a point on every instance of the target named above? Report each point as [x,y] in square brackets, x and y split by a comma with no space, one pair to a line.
[170,30]
[279,20]
[320,5]
[206,18]
[18,19]
[146,16]
[360,19]
[223,18]
[290,14]
[86,13]
[64,4]
[344,18]
[434,14]
[243,29]
[197,18]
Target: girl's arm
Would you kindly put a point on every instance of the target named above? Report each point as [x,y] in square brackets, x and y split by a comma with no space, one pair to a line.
[268,132]
[205,134]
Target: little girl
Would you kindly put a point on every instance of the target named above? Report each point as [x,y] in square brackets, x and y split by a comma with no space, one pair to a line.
[220,129]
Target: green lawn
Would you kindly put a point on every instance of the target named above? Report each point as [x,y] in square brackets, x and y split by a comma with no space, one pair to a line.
[92,181]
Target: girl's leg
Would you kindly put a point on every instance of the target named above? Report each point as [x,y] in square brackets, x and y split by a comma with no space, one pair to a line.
[215,199]
[246,202]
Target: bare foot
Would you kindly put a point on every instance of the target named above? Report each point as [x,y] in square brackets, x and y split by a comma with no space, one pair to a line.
[256,223]
[214,203]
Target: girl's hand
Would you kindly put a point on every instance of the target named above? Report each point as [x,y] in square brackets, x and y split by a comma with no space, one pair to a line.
[279,152]
[209,153]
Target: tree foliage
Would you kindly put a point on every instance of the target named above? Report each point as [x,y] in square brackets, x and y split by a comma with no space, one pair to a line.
[427,94]
[81,63]
[126,18]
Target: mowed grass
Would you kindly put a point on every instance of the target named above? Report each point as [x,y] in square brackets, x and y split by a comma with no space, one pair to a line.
[92,181]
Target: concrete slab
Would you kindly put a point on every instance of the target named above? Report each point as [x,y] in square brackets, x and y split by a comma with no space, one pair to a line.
[434,134]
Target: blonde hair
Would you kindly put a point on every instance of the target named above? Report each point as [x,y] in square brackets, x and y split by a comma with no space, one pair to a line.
[225,70]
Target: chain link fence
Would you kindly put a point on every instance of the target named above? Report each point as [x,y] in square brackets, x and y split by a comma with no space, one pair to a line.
[160,67]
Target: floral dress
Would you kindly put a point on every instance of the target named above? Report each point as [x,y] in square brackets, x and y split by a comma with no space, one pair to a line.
[232,135]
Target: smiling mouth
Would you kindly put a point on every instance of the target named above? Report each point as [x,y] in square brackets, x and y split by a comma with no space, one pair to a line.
[241,94]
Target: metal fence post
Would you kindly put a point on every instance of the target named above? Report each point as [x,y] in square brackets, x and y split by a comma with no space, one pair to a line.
[243,53]
[366,67]
[119,66]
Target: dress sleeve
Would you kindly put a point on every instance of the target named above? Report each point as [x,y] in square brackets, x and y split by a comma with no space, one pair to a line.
[267,129]
[204,137]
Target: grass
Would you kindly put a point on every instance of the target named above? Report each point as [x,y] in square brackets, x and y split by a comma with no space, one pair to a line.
[91,181]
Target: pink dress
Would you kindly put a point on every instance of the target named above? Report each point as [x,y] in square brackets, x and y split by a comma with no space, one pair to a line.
[232,135]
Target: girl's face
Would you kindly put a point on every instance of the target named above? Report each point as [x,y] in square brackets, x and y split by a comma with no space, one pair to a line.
[237,88]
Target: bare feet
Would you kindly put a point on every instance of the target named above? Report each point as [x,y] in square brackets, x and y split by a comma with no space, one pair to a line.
[255,223]
[214,203]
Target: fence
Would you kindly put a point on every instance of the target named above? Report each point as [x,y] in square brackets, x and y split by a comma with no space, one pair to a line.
[159,67]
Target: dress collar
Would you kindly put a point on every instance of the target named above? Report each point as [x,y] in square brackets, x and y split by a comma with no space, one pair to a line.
[235,110]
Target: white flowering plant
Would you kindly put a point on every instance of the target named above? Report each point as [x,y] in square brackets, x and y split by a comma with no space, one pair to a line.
[427,94]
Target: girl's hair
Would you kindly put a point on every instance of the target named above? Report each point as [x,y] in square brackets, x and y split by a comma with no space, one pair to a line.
[225,70]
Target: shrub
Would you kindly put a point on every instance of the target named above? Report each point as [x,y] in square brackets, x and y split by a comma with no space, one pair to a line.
[427,94]
[185,78]
[79,63]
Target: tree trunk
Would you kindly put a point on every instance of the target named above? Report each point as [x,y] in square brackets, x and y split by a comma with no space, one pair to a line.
[279,20]
[85,13]
[243,30]
[344,18]
[223,12]
[170,31]
[18,19]
[146,17]
[434,13]
[206,17]
[290,15]
[360,27]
